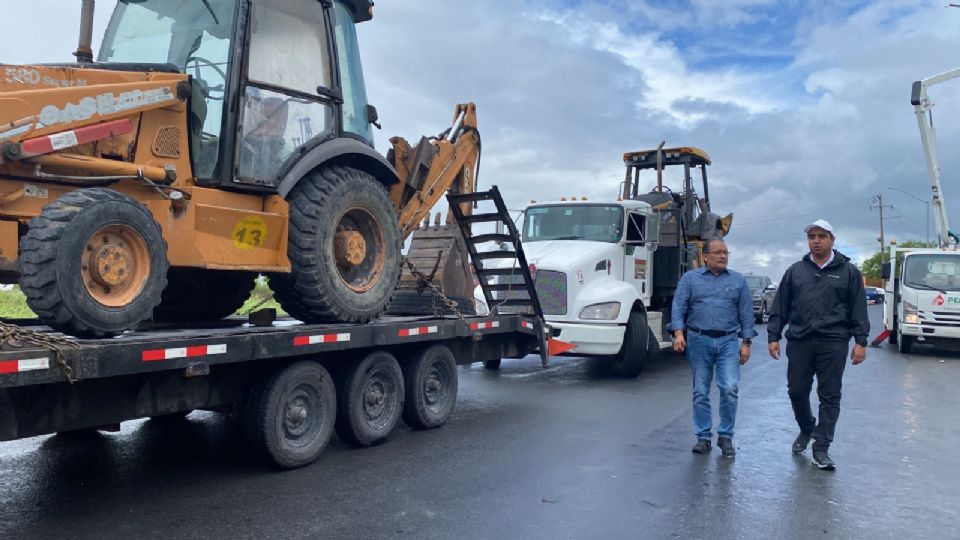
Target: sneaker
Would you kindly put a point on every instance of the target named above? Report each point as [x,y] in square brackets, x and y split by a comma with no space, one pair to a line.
[823,460]
[703,446]
[800,443]
[726,447]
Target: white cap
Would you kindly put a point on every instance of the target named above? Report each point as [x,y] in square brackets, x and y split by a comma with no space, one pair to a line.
[820,223]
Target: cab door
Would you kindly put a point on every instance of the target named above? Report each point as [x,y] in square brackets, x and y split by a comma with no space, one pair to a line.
[638,263]
[289,97]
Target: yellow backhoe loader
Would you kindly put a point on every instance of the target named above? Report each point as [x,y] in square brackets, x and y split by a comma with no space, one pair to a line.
[211,140]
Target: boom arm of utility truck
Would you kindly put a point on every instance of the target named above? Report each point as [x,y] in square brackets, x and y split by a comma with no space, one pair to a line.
[435,166]
[923,106]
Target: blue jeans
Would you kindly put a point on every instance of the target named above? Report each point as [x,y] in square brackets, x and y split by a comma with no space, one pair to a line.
[706,354]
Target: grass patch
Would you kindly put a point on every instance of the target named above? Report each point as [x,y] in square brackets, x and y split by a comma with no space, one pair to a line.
[13,305]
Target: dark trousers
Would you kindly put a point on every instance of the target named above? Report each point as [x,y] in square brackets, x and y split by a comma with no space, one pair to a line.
[826,360]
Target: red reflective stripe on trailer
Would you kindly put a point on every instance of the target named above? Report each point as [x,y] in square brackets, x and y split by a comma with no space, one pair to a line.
[485,325]
[320,338]
[154,355]
[8,366]
[67,139]
[419,331]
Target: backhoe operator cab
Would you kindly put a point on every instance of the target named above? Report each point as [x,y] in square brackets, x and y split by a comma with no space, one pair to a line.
[216,139]
[269,78]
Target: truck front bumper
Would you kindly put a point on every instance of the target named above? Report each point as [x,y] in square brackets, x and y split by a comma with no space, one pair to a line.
[590,339]
[929,331]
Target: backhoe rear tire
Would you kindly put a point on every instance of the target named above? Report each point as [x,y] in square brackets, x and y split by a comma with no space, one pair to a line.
[197,294]
[344,248]
[93,263]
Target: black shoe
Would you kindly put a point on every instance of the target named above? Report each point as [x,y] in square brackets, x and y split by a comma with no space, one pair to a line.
[823,460]
[703,446]
[800,443]
[726,447]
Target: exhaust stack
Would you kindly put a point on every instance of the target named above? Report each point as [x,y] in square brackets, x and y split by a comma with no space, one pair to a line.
[84,52]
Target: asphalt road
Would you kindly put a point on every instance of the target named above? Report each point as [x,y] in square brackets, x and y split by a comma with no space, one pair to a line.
[565,452]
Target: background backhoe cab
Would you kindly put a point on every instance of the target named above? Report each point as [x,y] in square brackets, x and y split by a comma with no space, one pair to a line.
[216,138]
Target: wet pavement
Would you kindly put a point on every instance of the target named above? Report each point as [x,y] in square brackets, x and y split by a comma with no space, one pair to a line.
[566,452]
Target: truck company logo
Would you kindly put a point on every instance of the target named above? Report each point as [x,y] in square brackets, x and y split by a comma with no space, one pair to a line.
[938,301]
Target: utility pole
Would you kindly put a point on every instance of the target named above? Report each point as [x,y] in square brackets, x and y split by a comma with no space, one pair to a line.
[878,200]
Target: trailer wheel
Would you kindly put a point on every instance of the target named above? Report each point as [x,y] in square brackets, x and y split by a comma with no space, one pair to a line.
[93,263]
[290,416]
[430,380]
[198,294]
[344,248]
[492,364]
[628,363]
[371,400]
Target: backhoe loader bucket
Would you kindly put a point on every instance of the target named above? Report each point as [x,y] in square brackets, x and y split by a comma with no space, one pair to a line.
[438,252]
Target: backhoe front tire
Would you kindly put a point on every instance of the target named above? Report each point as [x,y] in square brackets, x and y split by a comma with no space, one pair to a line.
[197,294]
[93,263]
[344,248]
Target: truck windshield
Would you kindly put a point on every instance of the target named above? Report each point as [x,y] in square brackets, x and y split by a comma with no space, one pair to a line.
[933,271]
[600,223]
[754,282]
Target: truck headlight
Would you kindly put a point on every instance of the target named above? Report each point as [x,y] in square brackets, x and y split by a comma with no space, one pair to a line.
[910,313]
[606,311]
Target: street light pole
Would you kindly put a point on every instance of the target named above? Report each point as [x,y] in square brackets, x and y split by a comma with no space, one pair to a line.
[908,194]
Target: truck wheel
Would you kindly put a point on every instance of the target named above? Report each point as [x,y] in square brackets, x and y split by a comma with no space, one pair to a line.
[290,416]
[197,294]
[492,364]
[93,263]
[430,380]
[904,343]
[344,248]
[628,363]
[371,400]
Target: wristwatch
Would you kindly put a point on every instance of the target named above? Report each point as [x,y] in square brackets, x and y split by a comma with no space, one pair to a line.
[747,341]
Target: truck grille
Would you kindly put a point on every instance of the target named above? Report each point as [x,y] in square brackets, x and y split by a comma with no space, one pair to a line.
[552,291]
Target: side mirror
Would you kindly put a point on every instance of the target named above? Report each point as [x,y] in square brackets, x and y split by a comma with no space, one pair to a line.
[372,116]
[885,270]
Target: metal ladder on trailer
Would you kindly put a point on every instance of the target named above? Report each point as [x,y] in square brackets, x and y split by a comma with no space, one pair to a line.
[521,296]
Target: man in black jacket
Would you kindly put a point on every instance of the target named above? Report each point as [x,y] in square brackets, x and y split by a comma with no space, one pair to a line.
[823,301]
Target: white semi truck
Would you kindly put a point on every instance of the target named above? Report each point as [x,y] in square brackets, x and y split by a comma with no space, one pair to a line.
[605,272]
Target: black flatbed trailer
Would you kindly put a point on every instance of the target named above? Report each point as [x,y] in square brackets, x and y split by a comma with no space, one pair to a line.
[289,383]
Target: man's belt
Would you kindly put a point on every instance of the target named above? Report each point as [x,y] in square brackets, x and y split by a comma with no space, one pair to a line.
[713,333]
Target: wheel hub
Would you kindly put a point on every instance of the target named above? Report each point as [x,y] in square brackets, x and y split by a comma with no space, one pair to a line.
[350,249]
[111,265]
[296,416]
[115,265]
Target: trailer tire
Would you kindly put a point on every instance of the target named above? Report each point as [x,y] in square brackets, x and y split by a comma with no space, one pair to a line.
[628,363]
[430,382]
[340,206]
[198,294]
[290,416]
[492,364]
[93,263]
[371,400]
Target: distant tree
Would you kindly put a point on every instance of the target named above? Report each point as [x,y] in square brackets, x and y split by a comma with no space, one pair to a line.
[871,266]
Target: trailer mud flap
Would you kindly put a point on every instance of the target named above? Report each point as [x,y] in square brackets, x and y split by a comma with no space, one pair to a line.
[8,420]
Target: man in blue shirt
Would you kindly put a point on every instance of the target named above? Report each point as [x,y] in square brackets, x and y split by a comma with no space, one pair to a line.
[713,305]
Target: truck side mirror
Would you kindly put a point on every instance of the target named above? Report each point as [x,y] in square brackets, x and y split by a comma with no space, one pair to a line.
[885,270]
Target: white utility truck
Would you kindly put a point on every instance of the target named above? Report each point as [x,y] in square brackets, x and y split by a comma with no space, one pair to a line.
[922,298]
[605,272]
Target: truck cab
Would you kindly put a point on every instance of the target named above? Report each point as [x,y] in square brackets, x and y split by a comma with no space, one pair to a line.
[922,300]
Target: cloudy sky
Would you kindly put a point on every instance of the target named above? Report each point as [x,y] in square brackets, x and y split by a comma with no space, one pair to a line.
[804,107]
